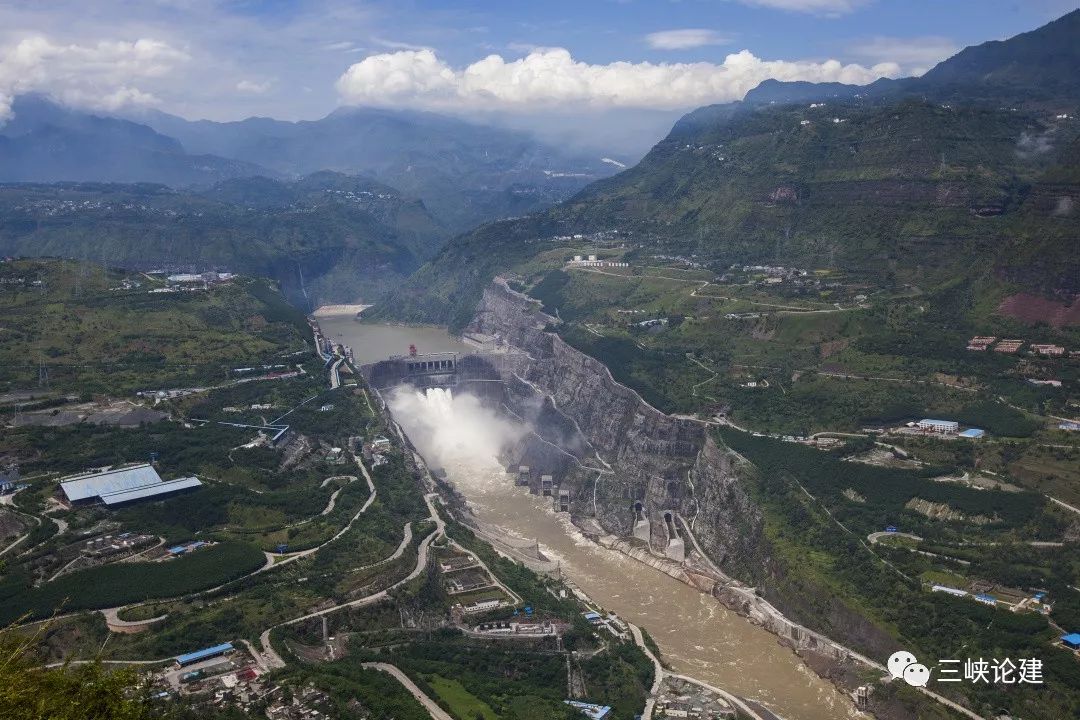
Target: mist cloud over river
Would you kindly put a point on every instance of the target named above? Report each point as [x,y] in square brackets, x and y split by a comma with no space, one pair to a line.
[452,429]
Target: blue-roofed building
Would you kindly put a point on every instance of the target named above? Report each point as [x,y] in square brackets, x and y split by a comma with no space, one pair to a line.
[122,485]
[1072,640]
[973,433]
[591,710]
[593,617]
[187,547]
[987,599]
[204,654]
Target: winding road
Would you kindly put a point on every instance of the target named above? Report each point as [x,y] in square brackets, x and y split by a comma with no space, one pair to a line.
[271,659]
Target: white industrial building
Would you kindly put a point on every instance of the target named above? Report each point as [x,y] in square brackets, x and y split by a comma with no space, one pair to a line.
[941,426]
[116,486]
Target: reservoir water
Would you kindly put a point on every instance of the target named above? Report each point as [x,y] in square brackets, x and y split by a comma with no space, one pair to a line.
[696,634]
[371,343]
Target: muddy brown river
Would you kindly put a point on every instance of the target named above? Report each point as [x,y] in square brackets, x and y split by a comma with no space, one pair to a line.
[696,634]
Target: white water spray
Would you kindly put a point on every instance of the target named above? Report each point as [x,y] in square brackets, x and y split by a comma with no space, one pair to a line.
[453,430]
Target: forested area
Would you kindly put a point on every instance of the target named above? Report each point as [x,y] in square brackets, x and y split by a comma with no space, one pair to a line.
[122,583]
[887,490]
[819,565]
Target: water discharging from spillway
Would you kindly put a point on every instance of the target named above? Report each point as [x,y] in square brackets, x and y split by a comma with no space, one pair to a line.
[696,634]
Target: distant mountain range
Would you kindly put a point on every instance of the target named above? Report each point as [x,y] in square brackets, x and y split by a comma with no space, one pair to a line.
[968,174]
[465,173]
[46,142]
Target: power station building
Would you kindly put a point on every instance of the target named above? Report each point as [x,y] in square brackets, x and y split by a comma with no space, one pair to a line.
[118,486]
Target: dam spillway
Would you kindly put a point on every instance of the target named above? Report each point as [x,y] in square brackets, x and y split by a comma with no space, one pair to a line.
[481,373]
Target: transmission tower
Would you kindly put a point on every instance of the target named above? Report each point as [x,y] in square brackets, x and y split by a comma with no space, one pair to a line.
[43,374]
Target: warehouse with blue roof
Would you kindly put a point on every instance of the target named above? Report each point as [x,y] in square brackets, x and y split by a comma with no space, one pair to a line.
[204,654]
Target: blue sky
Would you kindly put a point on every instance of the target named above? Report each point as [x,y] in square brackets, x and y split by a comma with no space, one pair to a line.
[292,59]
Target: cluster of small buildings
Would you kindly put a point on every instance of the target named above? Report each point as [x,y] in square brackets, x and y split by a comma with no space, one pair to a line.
[108,545]
[654,322]
[610,622]
[228,675]
[9,479]
[187,548]
[682,260]
[1036,602]
[118,486]
[592,261]
[681,699]
[191,282]
[127,284]
[376,451]
[982,343]
[933,426]
[19,280]
[521,629]
[206,278]
[303,705]
[772,271]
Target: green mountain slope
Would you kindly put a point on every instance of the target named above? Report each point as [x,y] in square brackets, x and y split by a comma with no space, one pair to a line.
[908,192]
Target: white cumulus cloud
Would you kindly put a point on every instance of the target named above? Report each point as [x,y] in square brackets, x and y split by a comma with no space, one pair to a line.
[684,39]
[252,87]
[100,76]
[916,54]
[550,77]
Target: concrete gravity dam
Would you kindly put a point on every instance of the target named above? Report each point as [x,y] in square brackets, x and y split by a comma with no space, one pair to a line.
[551,456]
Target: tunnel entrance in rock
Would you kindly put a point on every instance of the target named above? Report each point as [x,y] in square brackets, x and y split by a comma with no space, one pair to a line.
[669,520]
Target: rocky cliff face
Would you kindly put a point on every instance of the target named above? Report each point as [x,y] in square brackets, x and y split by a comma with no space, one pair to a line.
[658,488]
[636,471]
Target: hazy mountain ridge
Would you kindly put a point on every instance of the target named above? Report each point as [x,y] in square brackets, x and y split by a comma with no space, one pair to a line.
[465,173]
[45,142]
[1033,67]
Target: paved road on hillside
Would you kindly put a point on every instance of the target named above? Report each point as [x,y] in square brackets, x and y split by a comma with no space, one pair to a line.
[430,705]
